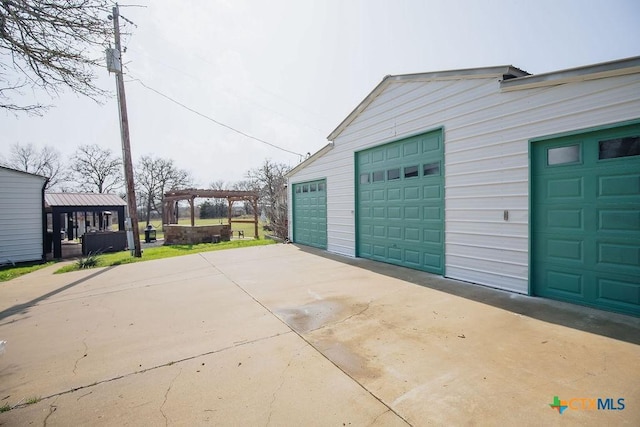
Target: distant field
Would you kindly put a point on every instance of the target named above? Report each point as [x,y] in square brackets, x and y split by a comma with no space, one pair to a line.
[246,227]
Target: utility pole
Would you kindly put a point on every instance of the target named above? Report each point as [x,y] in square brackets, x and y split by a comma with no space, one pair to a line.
[126,146]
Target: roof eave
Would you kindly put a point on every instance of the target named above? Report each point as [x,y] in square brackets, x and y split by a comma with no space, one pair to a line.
[502,71]
[24,173]
[602,70]
[321,152]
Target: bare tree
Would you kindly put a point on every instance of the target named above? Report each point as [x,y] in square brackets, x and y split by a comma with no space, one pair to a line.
[46,162]
[246,185]
[97,169]
[154,177]
[218,185]
[51,45]
[271,182]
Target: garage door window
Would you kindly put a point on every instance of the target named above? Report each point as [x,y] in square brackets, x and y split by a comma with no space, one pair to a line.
[321,186]
[563,155]
[364,178]
[378,176]
[393,174]
[411,171]
[619,147]
[431,169]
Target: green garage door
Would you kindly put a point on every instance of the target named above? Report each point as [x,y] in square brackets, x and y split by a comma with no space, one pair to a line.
[310,213]
[400,201]
[586,219]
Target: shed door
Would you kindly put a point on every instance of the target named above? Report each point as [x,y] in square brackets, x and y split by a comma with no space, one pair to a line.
[400,203]
[586,219]
[310,213]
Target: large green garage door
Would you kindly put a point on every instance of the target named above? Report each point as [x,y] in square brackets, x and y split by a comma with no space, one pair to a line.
[310,213]
[400,203]
[586,219]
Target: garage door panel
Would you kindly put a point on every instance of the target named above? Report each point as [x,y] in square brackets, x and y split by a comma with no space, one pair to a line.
[412,234]
[393,152]
[567,250]
[432,236]
[621,256]
[380,251]
[561,188]
[565,283]
[432,260]
[378,212]
[616,186]
[431,144]
[411,148]
[310,213]
[433,191]
[404,201]
[432,213]
[565,219]
[412,192]
[394,194]
[395,254]
[615,291]
[412,258]
[394,233]
[586,224]
[619,220]
[412,213]
[394,212]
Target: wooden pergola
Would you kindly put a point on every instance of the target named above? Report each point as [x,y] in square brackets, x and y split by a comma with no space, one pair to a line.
[172,198]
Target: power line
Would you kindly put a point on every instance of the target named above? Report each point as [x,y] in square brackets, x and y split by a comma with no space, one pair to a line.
[214,120]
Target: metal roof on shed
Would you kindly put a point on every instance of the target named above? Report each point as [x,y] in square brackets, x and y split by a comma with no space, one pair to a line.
[82,199]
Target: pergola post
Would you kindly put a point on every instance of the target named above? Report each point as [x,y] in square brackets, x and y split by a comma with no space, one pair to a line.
[229,212]
[193,212]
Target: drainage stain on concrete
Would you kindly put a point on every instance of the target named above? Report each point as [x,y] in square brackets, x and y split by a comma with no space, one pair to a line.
[313,315]
[352,363]
[325,315]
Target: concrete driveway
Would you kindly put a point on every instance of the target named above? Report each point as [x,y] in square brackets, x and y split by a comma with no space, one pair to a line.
[281,335]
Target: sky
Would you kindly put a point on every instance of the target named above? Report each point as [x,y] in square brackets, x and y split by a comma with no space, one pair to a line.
[289,71]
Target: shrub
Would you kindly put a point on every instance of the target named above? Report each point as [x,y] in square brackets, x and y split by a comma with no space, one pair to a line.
[90,261]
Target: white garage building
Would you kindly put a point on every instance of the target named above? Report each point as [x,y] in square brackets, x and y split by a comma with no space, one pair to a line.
[22,217]
[528,183]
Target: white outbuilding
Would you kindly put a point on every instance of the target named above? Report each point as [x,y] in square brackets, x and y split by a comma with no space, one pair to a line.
[527,183]
[22,217]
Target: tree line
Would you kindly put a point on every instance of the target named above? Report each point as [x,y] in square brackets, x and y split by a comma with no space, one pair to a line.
[95,169]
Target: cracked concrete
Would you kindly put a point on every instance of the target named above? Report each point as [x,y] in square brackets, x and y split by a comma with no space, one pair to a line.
[166,396]
[213,339]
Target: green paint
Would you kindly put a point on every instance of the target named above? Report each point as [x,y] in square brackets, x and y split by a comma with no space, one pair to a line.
[310,213]
[585,223]
[400,202]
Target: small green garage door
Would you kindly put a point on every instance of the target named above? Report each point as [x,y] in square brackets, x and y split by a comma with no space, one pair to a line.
[586,219]
[400,203]
[310,213]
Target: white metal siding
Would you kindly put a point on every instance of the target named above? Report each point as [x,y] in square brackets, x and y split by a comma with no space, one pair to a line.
[486,134]
[20,217]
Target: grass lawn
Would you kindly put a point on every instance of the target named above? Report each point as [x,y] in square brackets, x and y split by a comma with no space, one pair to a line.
[8,273]
[158,252]
[106,260]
